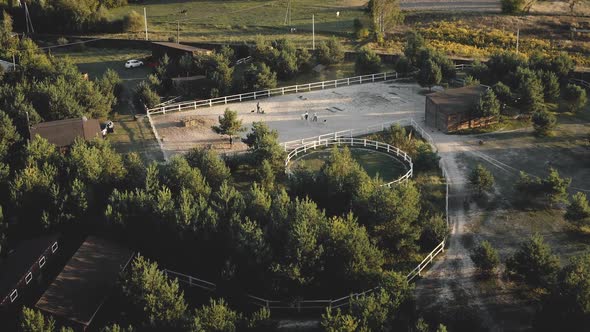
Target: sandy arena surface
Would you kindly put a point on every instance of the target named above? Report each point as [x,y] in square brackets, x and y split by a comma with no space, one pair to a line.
[338,109]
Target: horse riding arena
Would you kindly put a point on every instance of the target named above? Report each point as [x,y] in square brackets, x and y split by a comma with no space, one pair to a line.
[343,108]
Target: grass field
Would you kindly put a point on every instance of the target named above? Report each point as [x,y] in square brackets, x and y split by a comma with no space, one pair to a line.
[238,21]
[95,61]
[374,163]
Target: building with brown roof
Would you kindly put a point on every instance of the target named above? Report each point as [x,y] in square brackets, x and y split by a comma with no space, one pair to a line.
[24,267]
[62,133]
[79,291]
[175,51]
[452,109]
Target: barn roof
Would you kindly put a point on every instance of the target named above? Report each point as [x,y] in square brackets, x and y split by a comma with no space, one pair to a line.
[181,47]
[83,285]
[64,132]
[19,261]
[459,100]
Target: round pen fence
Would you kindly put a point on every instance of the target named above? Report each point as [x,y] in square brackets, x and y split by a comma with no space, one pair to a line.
[356,143]
[302,146]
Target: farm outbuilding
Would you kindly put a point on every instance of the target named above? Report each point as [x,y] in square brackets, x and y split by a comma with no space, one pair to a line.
[174,50]
[62,133]
[79,291]
[452,109]
[24,267]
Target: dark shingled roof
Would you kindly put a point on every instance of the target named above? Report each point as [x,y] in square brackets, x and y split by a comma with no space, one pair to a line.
[20,261]
[182,47]
[64,132]
[460,100]
[81,288]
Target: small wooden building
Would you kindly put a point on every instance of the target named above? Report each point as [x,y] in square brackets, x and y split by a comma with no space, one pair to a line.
[62,133]
[174,50]
[452,109]
[80,290]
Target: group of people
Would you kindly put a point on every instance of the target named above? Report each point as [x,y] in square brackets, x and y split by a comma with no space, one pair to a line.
[306,117]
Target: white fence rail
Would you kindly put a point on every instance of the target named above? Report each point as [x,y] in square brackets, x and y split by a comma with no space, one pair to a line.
[345,133]
[343,301]
[194,104]
[361,143]
[463,66]
[583,83]
[190,280]
[157,136]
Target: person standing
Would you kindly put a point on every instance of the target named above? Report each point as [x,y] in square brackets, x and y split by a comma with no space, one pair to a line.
[315,117]
[306,115]
[258,107]
[231,141]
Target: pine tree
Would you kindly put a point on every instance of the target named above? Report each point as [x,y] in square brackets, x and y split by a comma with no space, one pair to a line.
[429,75]
[229,124]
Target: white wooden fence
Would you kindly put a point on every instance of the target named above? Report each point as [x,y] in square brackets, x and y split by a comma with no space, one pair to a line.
[361,143]
[583,83]
[194,104]
[190,280]
[345,300]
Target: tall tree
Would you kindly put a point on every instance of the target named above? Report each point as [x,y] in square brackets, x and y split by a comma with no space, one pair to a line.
[578,210]
[32,320]
[488,104]
[259,76]
[229,124]
[429,75]
[531,90]
[157,301]
[575,97]
[481,179]
[217,316]
[367,62]
[534,262]
[567,307]
[264,145]
[485,257]
[385,14]
[543,122]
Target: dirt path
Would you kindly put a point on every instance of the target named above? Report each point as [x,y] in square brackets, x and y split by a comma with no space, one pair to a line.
[450,288]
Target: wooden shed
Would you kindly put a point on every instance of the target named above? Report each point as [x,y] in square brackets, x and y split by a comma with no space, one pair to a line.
[175,51]
[80,290]
[452,109]
[62,133]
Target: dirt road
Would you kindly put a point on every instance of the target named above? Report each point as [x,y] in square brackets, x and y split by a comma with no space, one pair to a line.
[450,5]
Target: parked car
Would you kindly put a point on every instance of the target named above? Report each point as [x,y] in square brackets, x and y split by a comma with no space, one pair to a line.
[133,63]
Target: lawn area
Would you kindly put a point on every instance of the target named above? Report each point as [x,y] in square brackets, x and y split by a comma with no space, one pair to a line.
[130,135]
[95,61]
[374,163]
[238,21]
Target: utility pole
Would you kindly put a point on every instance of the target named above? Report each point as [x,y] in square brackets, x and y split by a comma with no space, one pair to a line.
[178,32]
[288,14]
[313,32]
[145,23]
[517,39]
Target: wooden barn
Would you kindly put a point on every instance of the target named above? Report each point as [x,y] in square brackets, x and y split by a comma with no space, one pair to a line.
[84,284]
[452,109]
[24,267]
[62,133]
[175,51]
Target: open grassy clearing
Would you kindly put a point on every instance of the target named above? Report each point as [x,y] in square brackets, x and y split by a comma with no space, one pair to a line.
[238,21]
[375,163]
[95,61]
